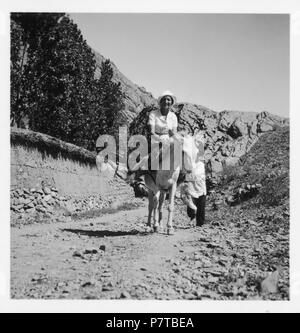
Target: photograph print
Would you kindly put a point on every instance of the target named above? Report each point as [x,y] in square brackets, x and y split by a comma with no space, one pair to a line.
[149,156]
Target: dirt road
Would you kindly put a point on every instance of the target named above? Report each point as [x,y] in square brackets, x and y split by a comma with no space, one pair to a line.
[114,256]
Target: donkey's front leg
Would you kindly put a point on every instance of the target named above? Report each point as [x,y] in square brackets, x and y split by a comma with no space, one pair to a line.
[155,211]
[150,208]
[170,229]
[162,197]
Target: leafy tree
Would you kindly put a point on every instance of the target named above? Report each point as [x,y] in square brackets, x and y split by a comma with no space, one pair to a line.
[107,115]
[27,30]
[59,77]
[109,101]
[53,81]
[16,69]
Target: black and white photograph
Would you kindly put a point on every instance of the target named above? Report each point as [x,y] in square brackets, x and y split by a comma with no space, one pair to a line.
[149,156]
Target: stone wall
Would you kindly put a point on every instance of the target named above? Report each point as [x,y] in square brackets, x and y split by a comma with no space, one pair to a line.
[30,168]
[51,177]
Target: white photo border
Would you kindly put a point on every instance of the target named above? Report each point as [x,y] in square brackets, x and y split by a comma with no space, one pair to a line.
[158,6]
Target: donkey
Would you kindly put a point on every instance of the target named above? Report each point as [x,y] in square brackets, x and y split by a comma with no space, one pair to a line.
[160,182]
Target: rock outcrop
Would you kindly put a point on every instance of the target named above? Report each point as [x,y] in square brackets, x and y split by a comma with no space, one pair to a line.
[263,174]
[229,135]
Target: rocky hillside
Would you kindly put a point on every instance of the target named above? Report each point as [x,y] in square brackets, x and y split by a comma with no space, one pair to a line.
[253,199]
[229,134]
[267,166]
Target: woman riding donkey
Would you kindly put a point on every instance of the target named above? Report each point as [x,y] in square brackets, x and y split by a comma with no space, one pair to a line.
[163,127]
[162,124]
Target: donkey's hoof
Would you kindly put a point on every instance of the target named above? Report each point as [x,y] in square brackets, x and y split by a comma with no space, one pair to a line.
[170,231]
[149,229]
[156,228]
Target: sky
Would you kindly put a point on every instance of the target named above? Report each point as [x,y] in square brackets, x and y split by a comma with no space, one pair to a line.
[221,61]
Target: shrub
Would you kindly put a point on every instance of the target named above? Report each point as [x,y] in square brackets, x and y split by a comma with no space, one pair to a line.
[275,191]
[231,173]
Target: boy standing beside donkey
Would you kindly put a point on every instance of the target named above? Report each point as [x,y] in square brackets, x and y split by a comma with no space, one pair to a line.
[193,190]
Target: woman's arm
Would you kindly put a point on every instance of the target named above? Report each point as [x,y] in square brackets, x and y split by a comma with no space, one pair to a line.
[173,131]
[152,132]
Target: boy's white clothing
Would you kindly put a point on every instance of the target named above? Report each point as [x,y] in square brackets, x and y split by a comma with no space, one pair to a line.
[194,162]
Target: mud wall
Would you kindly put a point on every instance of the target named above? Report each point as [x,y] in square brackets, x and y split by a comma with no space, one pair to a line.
[38,160]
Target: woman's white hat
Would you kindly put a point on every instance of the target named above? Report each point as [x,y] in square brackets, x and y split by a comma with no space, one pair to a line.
[167,93]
